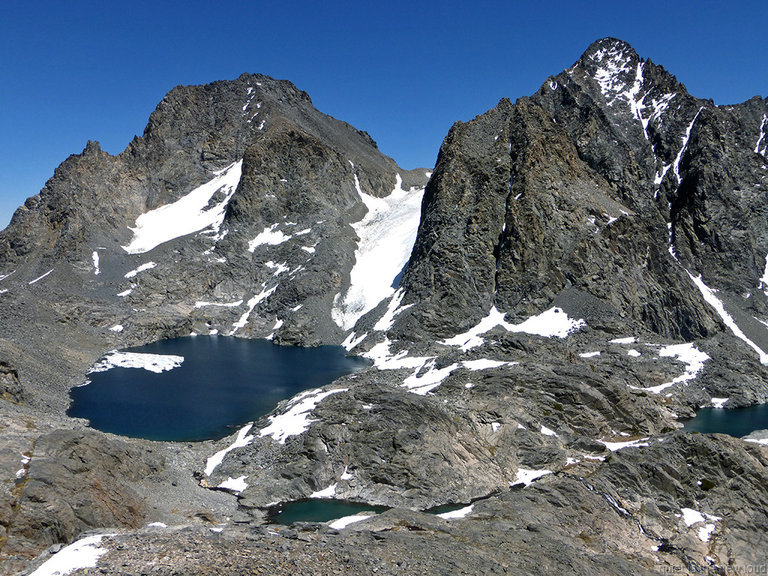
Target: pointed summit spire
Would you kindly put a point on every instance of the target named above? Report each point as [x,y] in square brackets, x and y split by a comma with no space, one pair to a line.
[608,50]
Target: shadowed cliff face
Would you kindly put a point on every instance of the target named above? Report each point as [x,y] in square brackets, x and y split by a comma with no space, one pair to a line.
[612,181]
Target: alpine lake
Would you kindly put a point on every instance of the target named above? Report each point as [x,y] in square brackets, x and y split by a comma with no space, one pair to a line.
[222,383]
[737,422]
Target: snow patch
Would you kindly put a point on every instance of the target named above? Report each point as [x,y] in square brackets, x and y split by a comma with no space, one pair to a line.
[188,214]
[613,446]
[241,440]
[252,303]
[692,517]
[329,492]
[589,354]
[234,484]
[527,477]
[428,381]
[268,237]
[351,341]
[342,523]
[387,234]
[95,259]
[142,268]
[125,293]
[627,340]
[296,420]
[156,363]
[117,328]
[550,323]
[718,402]
[676,163]
[485,364]
[84,553]
[764,280]
[460,513]
[393,309]
[203,304]
[548,431]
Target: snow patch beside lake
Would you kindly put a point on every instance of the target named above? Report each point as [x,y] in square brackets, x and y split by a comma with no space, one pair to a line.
[460,513]
[156,363]
[241,440]
[329,492]
[387,234]
[296,420]
[342,523]
[190,213]
[693,358]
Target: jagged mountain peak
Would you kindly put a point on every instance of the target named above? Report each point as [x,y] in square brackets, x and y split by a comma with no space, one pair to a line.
[608,53]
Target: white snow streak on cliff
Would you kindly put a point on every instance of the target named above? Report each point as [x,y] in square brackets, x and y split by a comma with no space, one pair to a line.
[676,163]
[188,214]
[387,234]
[717,304]
[758,149]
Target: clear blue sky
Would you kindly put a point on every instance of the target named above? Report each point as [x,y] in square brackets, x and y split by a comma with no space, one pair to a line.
[404,71]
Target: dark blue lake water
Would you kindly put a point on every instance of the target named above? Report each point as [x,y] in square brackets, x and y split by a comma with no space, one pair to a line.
[737,422]
[221,384]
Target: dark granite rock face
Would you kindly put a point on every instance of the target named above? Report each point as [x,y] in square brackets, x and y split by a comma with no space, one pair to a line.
[581,186]
[611,202]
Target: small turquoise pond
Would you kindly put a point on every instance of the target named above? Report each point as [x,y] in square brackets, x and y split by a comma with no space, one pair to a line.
[221,384]
[324,510]
[318,510]
[737,422]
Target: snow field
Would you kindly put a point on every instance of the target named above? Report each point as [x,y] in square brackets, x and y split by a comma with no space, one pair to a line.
[387,233]
[188,214]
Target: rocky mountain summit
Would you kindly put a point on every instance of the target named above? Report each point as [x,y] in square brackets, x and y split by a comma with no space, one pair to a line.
[582,270]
